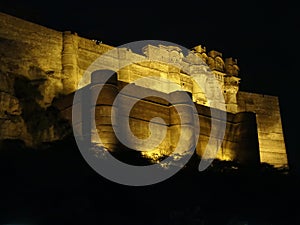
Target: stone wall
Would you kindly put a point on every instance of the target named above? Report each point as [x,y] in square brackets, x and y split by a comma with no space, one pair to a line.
[40,66]
[240,142]
[269,126]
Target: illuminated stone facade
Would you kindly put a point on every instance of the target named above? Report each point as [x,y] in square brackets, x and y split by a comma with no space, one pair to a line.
[53,63]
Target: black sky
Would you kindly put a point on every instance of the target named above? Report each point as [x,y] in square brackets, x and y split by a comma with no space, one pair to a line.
[262,35]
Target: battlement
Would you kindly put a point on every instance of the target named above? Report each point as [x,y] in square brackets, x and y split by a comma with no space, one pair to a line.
[215,61]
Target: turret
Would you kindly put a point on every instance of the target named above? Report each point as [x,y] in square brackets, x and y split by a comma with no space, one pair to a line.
[225,72]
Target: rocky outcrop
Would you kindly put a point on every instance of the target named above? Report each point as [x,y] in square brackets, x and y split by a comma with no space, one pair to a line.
[30,79]
[22,116]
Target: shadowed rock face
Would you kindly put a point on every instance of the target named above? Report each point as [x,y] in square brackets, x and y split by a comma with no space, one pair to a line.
[23,118]
[40,68]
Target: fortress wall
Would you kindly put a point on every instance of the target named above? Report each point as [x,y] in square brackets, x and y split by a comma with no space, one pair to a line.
[87,52]
[240,131]
[240,142]
[139,121]
[51,63]
[122,59]
[246,134]
[269,126]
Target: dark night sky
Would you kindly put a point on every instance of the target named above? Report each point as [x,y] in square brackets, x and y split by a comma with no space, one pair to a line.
[262,35]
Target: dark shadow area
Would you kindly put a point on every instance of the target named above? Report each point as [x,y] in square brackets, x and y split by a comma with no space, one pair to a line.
[37,118]
[54,185]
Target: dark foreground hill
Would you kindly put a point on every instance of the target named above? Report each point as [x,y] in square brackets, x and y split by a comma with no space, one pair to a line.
[54,185]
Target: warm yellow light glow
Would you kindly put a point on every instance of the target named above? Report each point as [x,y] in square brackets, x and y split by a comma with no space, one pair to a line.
[155,155]
[227,158]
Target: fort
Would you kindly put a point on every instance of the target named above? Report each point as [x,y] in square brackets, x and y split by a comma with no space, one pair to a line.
[41,68]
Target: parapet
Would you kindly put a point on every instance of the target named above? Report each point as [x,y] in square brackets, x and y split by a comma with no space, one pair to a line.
[215,61]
